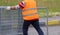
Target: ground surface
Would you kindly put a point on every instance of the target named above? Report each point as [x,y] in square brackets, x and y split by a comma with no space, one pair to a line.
[52,30]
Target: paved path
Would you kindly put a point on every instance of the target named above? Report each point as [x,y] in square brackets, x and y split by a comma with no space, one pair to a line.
[52,30]
[50,18]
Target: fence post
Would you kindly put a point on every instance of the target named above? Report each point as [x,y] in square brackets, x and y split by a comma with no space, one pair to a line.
[47,21]
[20,22]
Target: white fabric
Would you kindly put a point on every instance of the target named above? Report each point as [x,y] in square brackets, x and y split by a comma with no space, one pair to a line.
[17,6]
[8,8]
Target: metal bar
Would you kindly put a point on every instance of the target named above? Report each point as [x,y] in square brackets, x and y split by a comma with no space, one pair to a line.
[20,22]
[0,16]
[34,8]
[47,21]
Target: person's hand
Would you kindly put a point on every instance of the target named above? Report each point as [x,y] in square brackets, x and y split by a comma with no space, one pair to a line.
[11,7]
[8,8]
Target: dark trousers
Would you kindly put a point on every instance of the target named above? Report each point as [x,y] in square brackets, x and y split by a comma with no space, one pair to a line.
[35,24]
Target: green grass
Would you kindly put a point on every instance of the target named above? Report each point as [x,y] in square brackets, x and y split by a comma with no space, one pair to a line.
[52,5]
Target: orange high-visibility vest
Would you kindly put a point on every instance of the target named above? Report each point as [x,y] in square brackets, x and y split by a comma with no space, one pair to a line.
[29,13]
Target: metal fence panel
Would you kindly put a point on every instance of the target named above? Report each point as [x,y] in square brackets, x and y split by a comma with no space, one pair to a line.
[10,21]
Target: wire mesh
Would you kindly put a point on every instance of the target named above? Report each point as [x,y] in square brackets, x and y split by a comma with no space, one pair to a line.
[10,22]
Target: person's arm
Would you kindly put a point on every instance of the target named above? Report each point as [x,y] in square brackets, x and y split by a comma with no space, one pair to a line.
[20,5]
[12,7]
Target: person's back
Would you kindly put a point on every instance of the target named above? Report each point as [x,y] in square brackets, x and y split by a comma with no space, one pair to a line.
[30,14]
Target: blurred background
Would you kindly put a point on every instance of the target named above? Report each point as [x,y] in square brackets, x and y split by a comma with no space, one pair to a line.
[52,5]
[9,19]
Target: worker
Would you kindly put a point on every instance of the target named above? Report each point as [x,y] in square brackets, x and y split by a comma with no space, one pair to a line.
[30,15]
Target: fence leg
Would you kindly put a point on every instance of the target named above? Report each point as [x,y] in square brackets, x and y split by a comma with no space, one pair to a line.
[20,22]
[47,20]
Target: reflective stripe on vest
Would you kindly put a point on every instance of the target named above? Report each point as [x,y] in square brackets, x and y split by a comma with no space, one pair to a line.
[30,9]
[30,14]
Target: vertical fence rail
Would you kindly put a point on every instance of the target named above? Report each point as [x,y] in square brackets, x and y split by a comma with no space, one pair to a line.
[20,22]
[47,20]
[46,24]
[0,22]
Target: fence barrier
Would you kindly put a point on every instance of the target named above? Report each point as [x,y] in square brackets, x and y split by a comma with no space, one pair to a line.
[11,21]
